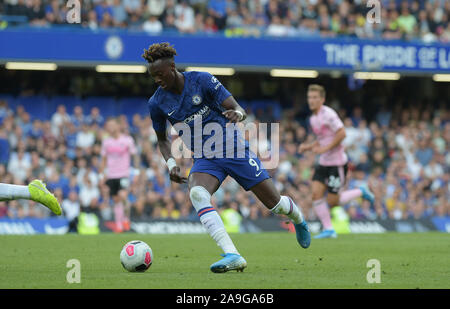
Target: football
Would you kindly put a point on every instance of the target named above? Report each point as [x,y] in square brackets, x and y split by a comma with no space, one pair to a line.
[136,256]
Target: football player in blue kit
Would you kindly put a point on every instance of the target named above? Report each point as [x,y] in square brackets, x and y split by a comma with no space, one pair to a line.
[190,99]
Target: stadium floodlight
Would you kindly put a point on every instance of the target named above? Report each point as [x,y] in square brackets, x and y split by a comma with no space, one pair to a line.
[213,70]
[377,75]
[41,66]
[444,78]
[294,73]
[115,68]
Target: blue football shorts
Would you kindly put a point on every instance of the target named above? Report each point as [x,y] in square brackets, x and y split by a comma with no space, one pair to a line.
[247,171]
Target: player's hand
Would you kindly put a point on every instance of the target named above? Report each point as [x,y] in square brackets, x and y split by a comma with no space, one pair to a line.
[233,115]
[319,149]
[175,175]
[303,148]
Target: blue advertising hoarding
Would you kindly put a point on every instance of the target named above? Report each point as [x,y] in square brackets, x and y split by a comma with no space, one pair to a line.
[30,226]
[84,47]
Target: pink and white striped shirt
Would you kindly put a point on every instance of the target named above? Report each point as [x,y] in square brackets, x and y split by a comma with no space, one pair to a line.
[325,124]
[118,154]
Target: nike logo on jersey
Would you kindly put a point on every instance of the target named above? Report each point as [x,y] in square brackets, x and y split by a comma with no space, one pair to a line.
[170,114]
[257,174]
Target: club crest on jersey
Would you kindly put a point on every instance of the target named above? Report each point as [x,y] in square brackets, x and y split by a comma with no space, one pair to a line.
[196,99]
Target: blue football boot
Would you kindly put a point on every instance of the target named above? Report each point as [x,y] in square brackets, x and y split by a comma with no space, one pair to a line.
[230,261]
[303,234]
[326,234]
[367,194]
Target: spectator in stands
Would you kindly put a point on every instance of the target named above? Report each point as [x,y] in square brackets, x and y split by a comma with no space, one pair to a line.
[16,8]
[152,25]
[19,165]
[392,30]
[424,153]
[103,10]
[119,14]
[133,7]
[276,28]
[89,193]
[85,138]
[234,20]
[169,23]
[54,14]
[71,210]
[95,118]
[5,111]
[199,23]
[91,22]
[59,119]
[199,6]
[210,25]
[217,9]
[25,124]
[36,13]
[156,7]
[406,21]
[184,17]
[77,118]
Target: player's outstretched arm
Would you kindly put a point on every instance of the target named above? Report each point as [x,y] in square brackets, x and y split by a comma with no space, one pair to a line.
[233,111]
[165,148]
[307,147]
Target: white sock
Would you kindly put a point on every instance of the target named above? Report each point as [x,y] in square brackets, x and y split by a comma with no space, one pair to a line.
[13,192]
[201,200]
[286,206]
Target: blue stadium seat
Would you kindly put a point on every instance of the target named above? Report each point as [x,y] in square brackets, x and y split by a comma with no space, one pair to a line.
[36,106]
[10,99]
[267,105]
[133,105]
[106,105]
[68,101]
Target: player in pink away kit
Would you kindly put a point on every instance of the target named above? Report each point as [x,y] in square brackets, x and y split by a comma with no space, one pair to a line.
[330,173]
[117,150]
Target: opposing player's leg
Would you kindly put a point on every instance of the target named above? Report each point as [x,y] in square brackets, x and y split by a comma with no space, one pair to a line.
[122,210]
[201,187]
[271,198]
[35,191]
[348,195]
[118,207]
[321,209]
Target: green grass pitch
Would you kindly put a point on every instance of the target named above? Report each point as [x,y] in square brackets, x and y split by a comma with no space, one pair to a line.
[275,260]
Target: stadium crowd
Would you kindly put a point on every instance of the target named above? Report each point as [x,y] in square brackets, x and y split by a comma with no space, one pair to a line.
[427,20]
[402,155]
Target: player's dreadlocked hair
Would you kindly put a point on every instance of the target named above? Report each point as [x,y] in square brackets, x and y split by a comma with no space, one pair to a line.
[159,51]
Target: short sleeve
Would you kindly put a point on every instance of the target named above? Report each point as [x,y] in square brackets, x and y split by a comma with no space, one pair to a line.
[334,122]
[158,118]
[213,88]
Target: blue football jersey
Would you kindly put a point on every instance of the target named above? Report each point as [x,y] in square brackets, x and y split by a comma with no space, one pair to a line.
[196,115]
